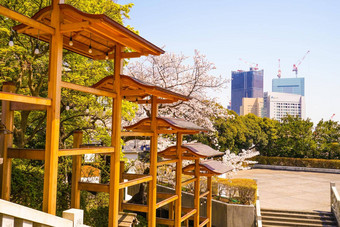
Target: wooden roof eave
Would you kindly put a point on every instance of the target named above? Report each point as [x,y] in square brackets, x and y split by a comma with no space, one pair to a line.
[172,150]
[205,169]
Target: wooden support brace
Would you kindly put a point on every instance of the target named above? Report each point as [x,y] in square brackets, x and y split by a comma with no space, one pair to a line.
[33,154]
[189,214]
[135,207]
[166,201]
[204,222]
[189,181]
[7,96]
[145,133]
[165,221]
[134,182]
[131,176]
[204,194]
[89,90]
[166,162]
[81,151]
[93,187]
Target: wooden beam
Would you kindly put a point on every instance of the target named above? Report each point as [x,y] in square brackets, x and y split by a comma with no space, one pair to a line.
[17,106]
[164,101]
[81,151]
[26,20]
[197,191]
[76,171]
[73,27]
[178,188]
[135,181]
[90,90]
[132,176]
[7,96]
[166,201]
[146,133]
[33,154]
[209,201]
[166,162]
[165,221]
[204,194]
[189,214]
[93,187]
[124,55]
[189,181]
[204,222]
[132,92]
[135,207]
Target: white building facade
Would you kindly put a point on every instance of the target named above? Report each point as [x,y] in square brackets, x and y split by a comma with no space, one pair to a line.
[278,105]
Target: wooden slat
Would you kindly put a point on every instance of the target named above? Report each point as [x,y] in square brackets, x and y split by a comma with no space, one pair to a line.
[93,187]
[146,133]
[135,207]
[165,221]
[204,194]
[204,222]
[85,89]
[131,176]
[33,154]
[80,151]
[188,181]
[166,201]
[25,20]
[7,96]
[15,106]
[189,214]
[166,162]
[134,182]
[164,195]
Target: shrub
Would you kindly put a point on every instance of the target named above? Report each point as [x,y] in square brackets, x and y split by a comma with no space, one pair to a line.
[300,162]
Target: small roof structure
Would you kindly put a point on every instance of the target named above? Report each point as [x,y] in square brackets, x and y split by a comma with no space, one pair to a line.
[99,30]
[133,89]
[194,150]
[167,125]
[208,167]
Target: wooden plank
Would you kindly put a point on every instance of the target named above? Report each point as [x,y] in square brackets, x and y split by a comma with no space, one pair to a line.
[73,27]
[204,222]
[135,207]
[165,221]
[15,106]
[76,171]
[189,214]
[26,20]
[131,176]
[178,189]
[53,113]
[164,195]
[166,201]
[166,162]
[89,90]
[93,187]
[137,134]
[204,194]
[7,96]
[33,154]
[81,151]
[135,181]
[161,101]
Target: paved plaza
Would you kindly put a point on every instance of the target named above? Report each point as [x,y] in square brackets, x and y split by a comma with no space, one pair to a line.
[292,190]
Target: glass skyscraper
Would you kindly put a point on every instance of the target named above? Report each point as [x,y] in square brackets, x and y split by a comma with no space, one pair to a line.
[245,84]
[289,85]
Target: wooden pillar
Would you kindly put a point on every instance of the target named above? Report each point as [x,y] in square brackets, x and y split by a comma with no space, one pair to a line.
[6,140]
[53,113]
[152,198]
[197,194]
[76,170]
[209,200]
[178,204]
[115,141]
[171,211]
[121,192]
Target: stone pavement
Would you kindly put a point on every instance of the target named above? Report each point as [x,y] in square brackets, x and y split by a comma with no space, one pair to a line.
[292,190]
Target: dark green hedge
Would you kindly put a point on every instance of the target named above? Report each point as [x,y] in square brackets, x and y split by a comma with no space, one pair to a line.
[300,162]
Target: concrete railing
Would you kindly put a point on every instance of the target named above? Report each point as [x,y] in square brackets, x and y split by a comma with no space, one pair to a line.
[258,217]
[335,203]
[12,214]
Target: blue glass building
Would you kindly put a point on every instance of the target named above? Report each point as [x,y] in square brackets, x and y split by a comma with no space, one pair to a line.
[289,85]
[245,84]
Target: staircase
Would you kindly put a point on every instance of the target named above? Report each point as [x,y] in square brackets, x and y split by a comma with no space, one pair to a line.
[272,217]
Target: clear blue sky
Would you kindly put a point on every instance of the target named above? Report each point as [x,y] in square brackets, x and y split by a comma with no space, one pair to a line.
[257,31]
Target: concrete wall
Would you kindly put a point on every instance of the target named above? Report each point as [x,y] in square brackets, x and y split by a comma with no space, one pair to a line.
[223,214]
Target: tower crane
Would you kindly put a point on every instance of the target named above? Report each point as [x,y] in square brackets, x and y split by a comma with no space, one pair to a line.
[279,72]
[295,66]
[251,65]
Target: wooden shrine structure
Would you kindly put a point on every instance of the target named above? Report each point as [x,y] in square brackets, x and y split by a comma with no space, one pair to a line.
[58,24]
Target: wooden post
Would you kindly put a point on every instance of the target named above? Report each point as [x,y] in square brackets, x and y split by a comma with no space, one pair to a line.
[171,211]
[115,141]
[197,194]
[76,170]
[53,113]
[178,204]
[209,200]
[152,198]
[121,192]
[6,140]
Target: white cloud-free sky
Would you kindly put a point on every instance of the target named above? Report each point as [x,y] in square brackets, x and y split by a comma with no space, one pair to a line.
[258,31]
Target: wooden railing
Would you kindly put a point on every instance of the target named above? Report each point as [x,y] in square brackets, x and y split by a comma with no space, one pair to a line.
[335,203]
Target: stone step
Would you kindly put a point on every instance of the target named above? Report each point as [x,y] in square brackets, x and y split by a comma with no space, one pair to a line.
[297,212]
[299,220]
[298,215]
[267,223]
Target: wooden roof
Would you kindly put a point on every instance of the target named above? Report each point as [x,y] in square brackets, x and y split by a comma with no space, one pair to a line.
[103,32]
[165,124]
[208,167]
[133,89]
[197,150]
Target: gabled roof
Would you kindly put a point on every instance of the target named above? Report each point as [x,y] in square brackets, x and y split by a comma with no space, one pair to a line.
[197,150]
[167,124]
[134,89]
[105,33]
[208,167]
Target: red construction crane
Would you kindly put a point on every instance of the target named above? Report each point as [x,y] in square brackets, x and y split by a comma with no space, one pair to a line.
[332,116]
[279,72]
[295,66]
[253,66]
